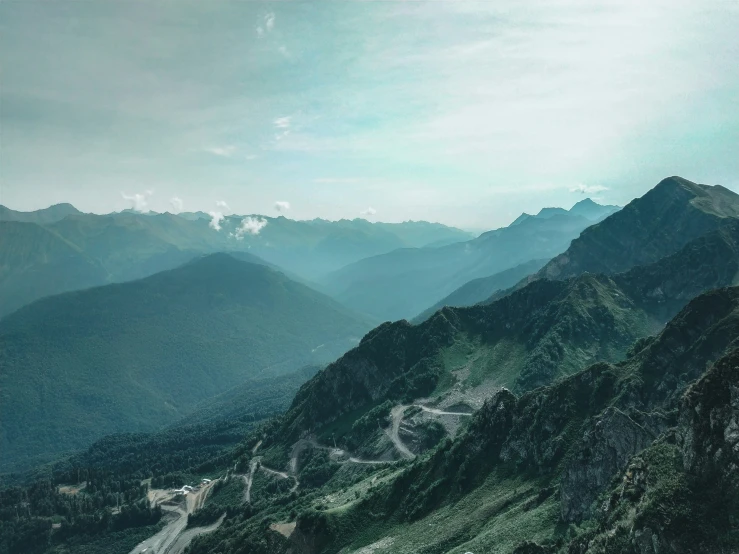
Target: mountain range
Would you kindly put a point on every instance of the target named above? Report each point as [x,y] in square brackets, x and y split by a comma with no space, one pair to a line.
[586,405]
[60,249]
[403,283]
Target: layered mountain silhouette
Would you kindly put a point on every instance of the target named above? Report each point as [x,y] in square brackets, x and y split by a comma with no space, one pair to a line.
[405,282]
[60,249]
[135,356]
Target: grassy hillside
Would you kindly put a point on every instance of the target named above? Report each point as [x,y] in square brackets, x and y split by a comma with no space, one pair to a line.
[135,356]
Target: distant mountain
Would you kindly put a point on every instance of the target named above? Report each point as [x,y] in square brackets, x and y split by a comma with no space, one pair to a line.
[52,214]
[479,290]
[138,355]
[403,283]
[593,211]
[585,208]
[82,250]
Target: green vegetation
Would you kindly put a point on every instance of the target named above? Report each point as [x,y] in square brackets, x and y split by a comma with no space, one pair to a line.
[139,355]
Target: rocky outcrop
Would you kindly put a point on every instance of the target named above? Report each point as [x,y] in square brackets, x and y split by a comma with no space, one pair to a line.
[604,450]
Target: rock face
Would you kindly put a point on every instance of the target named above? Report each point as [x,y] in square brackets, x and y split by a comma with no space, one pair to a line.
[708,433]
[604,450]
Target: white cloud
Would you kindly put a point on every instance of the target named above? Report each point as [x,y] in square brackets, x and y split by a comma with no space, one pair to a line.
[369,211]
[251,225]
[282,206]
[283,122]
[223,151]
[269,21]
[177,204]
[139,201]
[588,189]
[215,221]
[223,206]
[267,24]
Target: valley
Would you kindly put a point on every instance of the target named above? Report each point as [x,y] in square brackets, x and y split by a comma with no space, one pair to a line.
[498,427]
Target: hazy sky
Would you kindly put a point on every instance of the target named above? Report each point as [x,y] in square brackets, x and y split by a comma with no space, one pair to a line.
[462,112]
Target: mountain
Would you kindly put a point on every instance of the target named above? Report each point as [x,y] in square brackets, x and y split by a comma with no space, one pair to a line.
[481,289]
[593,211]
[529,338]
[138,355]
[631,453]
[659,223]
[584,208]
[72,251]
[403,283]
[52,214]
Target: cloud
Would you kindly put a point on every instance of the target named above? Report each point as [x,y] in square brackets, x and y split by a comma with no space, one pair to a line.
[215,221]
[369,211]
[177,204]
[139,201]
[223,151]
[588,189]
[251,225]
[223,206]
[267,24]
[282,122]
[282,206]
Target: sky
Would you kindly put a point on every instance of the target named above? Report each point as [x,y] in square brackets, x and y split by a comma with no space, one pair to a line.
[467,113]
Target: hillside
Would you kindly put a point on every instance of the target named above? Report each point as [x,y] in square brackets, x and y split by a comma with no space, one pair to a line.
[622,444]
[481,289]
[403,283]
[541,332]
[135,356]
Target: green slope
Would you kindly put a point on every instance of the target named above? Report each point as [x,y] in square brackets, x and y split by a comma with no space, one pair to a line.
[138,355]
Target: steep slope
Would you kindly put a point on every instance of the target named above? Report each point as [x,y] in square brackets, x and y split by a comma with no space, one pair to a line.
[527,339]
[51,214]
[135,356]
[405,282]
[659,223]
[542,460]
[481,289]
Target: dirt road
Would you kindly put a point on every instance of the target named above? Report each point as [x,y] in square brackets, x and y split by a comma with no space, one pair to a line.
[397,419]
[441,412]
[160,543]
[184,539]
